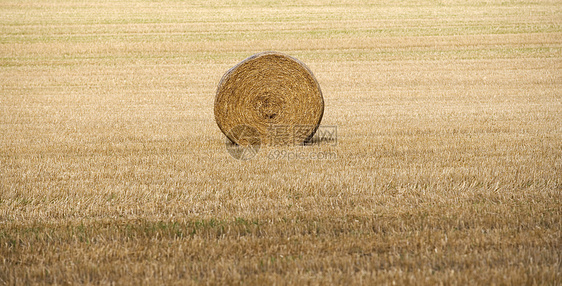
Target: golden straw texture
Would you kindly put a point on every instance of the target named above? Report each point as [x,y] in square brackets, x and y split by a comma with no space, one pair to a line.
[273,93]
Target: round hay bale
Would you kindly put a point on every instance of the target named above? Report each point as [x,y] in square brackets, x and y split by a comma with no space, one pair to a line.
[273,93]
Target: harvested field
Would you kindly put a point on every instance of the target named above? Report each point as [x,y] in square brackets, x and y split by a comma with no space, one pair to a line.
[446,169]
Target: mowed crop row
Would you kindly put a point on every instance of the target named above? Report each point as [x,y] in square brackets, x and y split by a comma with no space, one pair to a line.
[446,169]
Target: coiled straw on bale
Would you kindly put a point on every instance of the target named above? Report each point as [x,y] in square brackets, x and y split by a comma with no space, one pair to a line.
[275,94]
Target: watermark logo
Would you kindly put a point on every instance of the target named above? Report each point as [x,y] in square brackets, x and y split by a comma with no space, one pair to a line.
[247,142]
[325,135]
[289,155]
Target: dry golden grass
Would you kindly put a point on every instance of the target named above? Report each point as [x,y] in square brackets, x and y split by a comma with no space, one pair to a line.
[449,152]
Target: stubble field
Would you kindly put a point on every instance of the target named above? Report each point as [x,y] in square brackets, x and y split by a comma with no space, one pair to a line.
[447,167]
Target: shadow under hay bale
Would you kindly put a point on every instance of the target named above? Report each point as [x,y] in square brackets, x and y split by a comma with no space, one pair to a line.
[274,93]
